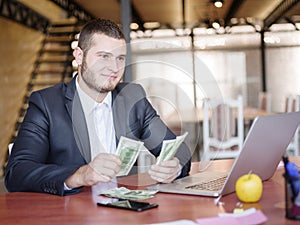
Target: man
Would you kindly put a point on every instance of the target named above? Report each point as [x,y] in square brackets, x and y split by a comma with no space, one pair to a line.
[70,132]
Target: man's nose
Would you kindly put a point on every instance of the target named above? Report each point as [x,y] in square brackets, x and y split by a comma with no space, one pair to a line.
[113,65]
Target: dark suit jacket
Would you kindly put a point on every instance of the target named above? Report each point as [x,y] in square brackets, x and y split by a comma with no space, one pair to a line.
[53,140]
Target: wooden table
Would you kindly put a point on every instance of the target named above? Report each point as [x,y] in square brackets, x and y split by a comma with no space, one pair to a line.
[35,208]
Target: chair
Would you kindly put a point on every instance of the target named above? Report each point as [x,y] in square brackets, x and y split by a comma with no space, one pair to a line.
[223,128]
[264,101]
[293,105]
[290,104]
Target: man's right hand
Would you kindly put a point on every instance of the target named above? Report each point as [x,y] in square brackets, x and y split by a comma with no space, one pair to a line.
[103,168]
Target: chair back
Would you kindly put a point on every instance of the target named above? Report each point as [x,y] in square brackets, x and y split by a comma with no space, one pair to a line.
[223,128]
[264,101]
[223,122]
[292,104]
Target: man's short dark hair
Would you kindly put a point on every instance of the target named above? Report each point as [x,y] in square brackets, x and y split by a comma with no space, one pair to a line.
[98,26]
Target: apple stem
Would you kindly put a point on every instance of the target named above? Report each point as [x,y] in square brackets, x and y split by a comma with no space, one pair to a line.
[249,174]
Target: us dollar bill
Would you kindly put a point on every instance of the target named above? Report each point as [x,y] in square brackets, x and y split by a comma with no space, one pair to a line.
[128,151]
[170,147]
[124,193]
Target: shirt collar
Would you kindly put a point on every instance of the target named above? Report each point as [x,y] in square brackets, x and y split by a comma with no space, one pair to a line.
[88,103]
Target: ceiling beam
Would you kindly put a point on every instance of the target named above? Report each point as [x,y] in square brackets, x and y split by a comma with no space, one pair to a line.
[22,14]
[289,20]
[278,12]
[74,9]
[233,9]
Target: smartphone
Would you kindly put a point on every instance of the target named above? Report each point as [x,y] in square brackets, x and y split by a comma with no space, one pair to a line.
[128,204]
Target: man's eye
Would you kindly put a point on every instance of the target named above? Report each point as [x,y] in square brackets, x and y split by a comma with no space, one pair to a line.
[105,56]
[121,58]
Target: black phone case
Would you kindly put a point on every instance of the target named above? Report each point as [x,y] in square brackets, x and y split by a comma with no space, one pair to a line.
[134,206]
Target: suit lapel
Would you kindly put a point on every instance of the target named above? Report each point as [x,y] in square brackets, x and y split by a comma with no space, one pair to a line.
[119,115]
[79,125]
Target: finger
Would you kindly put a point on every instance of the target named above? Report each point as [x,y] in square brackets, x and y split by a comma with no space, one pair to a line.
[166,166]
[109,161]
[164,174]
[163,178]
[108,157]
[170,163]
[116,159]
[109,172]
[110,165]
[105,178]
[99,175]
[161,169]
[106,164]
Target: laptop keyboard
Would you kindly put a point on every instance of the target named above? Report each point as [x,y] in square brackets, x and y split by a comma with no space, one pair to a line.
[212,185]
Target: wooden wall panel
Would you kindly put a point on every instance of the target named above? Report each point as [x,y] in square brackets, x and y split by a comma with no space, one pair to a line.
[19,48]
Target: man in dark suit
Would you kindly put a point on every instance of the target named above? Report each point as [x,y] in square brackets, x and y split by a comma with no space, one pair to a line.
[70,132]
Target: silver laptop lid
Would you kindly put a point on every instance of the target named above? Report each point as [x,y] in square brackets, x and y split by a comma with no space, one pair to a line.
[264,147]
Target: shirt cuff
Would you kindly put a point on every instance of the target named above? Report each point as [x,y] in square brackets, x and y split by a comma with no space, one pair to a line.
[180,166]
[66,188]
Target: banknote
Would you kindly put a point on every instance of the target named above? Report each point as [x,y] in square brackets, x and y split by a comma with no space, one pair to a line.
[170,147]
[128,151]
[128,194]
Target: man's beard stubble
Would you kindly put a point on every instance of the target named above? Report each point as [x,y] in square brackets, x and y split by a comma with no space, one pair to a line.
[90,79]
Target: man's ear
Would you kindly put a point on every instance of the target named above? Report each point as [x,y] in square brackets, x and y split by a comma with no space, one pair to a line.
[78,54]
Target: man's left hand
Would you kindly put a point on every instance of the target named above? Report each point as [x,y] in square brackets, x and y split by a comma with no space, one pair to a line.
[166,171]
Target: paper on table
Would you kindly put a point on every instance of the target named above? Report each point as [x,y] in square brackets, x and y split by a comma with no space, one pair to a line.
[245,218]
[218,221]
[177,222]
[248,217]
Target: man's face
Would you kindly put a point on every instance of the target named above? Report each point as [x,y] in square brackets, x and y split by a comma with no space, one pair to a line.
[103,65]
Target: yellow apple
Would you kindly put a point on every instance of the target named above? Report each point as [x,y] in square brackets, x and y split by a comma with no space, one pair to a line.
[249,188]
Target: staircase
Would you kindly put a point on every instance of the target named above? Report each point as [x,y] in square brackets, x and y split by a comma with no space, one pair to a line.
[54,62]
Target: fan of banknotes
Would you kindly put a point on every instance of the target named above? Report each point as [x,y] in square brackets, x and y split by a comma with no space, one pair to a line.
[129,149]
[124,193]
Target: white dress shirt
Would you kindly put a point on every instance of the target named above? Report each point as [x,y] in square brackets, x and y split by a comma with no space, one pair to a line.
[99,120]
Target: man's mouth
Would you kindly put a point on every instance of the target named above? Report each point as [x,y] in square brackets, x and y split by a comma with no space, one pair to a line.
[110,76]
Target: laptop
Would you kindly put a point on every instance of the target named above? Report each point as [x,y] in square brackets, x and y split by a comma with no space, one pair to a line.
[261,153]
